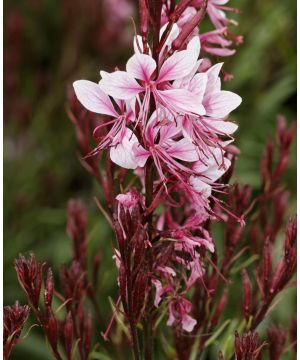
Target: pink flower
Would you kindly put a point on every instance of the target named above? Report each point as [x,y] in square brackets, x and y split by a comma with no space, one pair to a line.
[124,85]
[129,200]
[94,99]
[179,308]
[168,149]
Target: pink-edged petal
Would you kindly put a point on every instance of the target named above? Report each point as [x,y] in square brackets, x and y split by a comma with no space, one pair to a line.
[122,154]
[93,98]
[141,66]
[120,85]
[223,127]
[221,103]
[184,150]
[200,186]
[177,66]
[182,101]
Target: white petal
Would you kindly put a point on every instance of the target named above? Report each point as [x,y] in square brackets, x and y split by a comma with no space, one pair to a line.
[182,100]
[177,66]
[200,186]
[183,150]
[93,98]
[141,66]
[120,85]
[224,127]
[220,104]
[122,154]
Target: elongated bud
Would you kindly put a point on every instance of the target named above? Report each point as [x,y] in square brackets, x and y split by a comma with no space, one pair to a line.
[68,335]
[144,19]
[189,27]
[278,273]
[51,328]
[246,294]
[49,286]
[88,333]
[267,267]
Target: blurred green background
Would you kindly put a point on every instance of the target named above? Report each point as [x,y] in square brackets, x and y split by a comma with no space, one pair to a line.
[50,43]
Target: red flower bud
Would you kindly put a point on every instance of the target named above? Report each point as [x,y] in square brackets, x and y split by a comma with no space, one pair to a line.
[68,335]
[49,286]
[246,294]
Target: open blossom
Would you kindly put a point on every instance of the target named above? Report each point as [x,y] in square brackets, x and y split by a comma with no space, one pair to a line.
[179,309]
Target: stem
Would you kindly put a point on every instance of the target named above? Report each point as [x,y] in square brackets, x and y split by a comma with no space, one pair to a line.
[148,329]
[135,342]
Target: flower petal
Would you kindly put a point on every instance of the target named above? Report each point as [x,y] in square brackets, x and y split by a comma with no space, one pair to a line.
[213,79]
[223,127]
[140,154]
[188,323]
[141,66]
[122,154]
[93,98]
[200,186]
[177,66]
[198,85]
[120,85]
[183,150]
[221,103]
[182,101]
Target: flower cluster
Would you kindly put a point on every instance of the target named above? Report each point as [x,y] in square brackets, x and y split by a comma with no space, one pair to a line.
[166,117]
[14,318]
[62,331]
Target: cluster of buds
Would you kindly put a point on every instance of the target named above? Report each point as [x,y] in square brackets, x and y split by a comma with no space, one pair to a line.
[30,276]
[219,39]
[14,318]
[271,282]
[77,325]
[247,346]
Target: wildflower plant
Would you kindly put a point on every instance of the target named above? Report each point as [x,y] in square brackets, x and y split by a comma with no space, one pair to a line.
[163,155]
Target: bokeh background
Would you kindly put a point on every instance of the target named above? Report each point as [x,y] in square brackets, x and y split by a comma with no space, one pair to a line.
[50,43]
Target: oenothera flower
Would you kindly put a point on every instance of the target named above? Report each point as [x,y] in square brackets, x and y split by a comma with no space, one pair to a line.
[205,130]
[94,99]
[165,146]
[143,77]
[179,308]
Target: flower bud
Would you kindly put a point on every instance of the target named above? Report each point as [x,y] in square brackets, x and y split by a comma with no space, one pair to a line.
[49,286]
